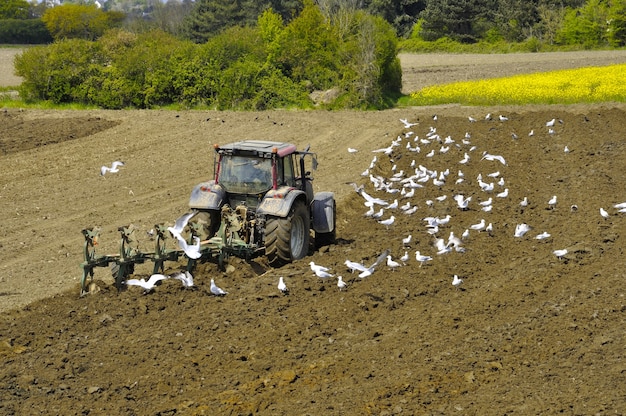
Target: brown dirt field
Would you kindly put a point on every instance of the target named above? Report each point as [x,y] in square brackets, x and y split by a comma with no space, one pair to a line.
[526,333]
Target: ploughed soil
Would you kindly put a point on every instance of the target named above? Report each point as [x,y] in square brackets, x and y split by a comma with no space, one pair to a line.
[526,332]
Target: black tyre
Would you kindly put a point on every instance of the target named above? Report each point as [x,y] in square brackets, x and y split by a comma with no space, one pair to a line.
[210,221]
[326,239]
[287,239]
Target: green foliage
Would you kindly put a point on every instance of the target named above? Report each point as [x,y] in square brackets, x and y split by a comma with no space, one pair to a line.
[586,25]
[25,32]
[57,71]
[268,66]
[14,9]
[307,50]
[76,21]
[270,25]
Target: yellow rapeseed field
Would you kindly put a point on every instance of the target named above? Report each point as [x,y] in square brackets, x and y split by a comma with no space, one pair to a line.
[584,85]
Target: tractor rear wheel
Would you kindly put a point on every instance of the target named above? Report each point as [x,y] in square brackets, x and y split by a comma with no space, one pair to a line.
[287,239]
[210,220]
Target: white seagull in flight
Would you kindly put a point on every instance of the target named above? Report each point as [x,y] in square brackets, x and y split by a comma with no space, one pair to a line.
[113,169]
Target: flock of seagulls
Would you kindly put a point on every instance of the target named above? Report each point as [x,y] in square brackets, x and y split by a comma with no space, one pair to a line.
[395,194]
[392,194]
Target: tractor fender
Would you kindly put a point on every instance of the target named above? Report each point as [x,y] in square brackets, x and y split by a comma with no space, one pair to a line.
[323,211]
[278,202]
[207,195]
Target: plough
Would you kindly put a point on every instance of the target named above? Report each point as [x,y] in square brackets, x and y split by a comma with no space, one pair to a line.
[224,243]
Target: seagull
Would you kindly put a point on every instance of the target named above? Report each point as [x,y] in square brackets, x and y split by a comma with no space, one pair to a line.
[551,123]
[405,258]
[462,202]
[620,205]
[543,236]
[323,274]
[524,202]
[465,159]
[216,290]
[455,242]
[503,118]
[486,203]
[552,201]
[406,123]
[478,226]
[351,150]
[566,149]
[186,278]
[503,194]
[604,214]
[393,205]
[340,283]
[388,221]
[180,224]
[191,250]
[282,286]
[456,281]
[487,156]
[113,169]
[392,263]
[422,258]
[352,266]
[407,240]
[521,229]
[316,267]
[489,228]
[368,271]
[471,119]
[147,285]
[560,253]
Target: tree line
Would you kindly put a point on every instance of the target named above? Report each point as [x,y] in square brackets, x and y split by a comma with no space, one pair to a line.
[589,23]
[345,63]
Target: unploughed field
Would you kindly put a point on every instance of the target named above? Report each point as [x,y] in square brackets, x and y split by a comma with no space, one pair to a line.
[526,333]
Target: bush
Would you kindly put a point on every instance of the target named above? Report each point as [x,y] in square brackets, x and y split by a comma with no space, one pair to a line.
[24,32]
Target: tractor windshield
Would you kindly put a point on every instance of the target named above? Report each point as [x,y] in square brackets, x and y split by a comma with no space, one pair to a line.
[245,175]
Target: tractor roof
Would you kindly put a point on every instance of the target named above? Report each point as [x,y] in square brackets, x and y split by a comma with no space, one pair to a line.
[257,147]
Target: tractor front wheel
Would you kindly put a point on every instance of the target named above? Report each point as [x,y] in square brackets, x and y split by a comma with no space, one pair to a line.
[287,239]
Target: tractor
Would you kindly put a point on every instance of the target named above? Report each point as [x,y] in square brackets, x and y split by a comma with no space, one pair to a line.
[261,200]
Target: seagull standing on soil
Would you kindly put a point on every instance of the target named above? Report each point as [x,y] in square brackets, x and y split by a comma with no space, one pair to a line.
[217,291]
[603,213]
[113,169]
[392,264]
[340,283]
[422,258]
[456,281]
[282,286]
[552,202]
[560,253]
[521,229]
[388,221]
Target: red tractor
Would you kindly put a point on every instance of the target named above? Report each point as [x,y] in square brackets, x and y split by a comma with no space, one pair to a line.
[262,199]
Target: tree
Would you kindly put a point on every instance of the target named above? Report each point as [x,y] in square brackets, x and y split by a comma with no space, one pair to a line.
[586,25]
[460,20]
[78,21]
[210,17]
[401,14]
[14,9]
